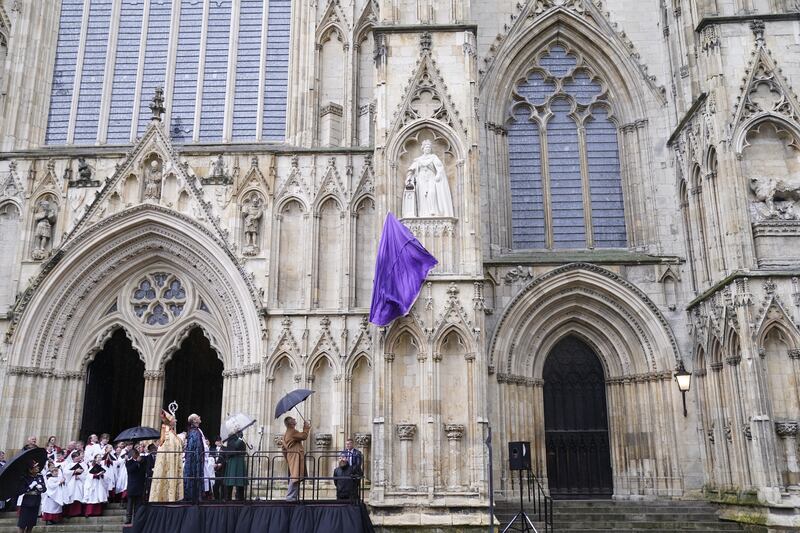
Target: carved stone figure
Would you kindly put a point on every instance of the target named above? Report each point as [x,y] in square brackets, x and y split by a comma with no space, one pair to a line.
[218,168]
[777,198]
[253,211]
[45,217]
[427,178]
[84,170]
[152,182]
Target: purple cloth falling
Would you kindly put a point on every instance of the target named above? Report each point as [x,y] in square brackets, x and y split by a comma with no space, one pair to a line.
[400,269]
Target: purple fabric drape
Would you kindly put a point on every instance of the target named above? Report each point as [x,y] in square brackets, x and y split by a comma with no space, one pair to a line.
[400,269]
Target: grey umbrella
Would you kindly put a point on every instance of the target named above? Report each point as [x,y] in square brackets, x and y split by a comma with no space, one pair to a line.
[291,401]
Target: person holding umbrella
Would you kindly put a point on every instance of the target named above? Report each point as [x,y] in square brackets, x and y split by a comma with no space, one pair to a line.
[295,455]
[235,468]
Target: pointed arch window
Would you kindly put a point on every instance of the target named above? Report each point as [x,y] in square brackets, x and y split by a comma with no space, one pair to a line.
[564,168]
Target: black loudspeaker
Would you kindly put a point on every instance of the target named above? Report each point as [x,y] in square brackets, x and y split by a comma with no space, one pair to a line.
[519,455]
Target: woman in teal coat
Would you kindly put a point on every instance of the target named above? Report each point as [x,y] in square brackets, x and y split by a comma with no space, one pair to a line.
[235,466]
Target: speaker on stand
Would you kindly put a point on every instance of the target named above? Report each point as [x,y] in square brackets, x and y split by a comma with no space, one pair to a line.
[519,459]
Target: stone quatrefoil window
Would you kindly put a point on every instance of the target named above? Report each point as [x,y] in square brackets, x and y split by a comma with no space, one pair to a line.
[566,189]
[158,299]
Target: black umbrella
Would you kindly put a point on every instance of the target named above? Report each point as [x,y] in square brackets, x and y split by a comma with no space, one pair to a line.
[292,400]
[16,469]
[138,433]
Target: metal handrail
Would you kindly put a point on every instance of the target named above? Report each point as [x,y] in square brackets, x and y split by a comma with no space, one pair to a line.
[542,502]
[264,475]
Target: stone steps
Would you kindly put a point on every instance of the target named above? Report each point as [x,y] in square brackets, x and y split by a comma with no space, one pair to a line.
[111,520]
[593,516]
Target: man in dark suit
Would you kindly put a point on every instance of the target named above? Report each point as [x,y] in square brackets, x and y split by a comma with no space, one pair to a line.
[137,472]
[354,457]
[346,479]
[149,460]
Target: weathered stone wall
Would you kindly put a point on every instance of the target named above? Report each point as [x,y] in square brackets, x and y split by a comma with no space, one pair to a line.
[275,244]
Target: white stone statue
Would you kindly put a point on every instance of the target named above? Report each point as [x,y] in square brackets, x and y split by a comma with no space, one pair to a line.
[776,198]
[427,178]
[253,211]
[152,182]
[45,217]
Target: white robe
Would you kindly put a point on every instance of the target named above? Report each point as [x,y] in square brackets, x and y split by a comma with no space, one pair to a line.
[94,489]
[110,475]
[91,451]
[208,473]
[74,490]
[53,499]
[120,475]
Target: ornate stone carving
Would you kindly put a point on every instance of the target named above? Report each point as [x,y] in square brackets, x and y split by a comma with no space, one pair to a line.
[277,439]
[158,299]
[363,440]
[518,273]
[454,431]
[776,197]
[152,181]
[786,429]
[794,353]
[323,440]
[748,432]
[406,431]
[218,173]
[85,173]
[157,104]
[427,189]
[253,211]
[44,218]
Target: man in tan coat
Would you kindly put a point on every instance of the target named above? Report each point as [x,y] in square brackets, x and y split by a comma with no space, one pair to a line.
[295,455]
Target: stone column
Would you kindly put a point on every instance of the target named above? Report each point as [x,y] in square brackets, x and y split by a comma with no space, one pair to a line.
[454,432]
[406,433]
[323,442]
[787,431]
[279,465]
[153,395]
[363,442]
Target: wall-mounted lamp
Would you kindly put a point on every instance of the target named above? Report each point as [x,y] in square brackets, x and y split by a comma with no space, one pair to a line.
[684,380]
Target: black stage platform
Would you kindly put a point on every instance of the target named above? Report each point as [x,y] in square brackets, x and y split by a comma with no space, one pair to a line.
[253,517]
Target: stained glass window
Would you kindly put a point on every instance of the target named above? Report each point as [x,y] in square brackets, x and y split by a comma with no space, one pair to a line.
[568,195]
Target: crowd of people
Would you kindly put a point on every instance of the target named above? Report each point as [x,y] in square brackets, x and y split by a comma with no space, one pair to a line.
[80,479]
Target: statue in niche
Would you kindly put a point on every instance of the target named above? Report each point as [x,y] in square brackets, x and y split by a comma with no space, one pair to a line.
[152,182]
[45,217]
[427,191]
[84,170]
[218,168]
[253,211]
[777,198]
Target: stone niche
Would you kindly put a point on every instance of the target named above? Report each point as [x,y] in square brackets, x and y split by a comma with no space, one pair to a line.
[436,233]
[771,166]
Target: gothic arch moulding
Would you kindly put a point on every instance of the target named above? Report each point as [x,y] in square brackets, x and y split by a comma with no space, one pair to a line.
[599,51]
[615,318]
[52,325]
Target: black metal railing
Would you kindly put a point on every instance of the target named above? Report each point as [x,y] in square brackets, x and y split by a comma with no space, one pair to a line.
[542,502]
[266,477]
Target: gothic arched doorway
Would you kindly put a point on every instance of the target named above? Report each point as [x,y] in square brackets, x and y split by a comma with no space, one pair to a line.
[576,422]
[193,378]
[114,389]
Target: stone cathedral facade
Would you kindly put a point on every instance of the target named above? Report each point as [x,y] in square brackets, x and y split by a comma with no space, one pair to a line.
[192,191]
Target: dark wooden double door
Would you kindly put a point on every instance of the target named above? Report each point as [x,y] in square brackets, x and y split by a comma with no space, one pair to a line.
[576,423]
